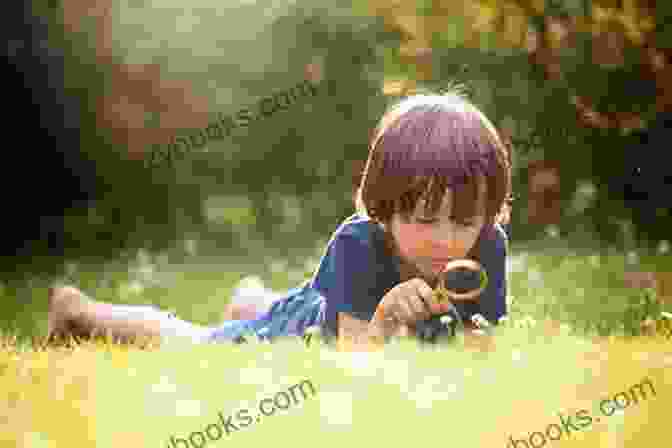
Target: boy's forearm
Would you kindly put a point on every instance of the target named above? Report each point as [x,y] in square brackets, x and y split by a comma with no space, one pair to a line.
[357,334]
[366,336]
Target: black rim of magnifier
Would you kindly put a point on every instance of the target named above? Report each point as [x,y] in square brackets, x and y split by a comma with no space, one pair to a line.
[465,263]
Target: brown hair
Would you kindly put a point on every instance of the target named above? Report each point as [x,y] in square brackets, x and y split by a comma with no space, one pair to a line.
[426,143]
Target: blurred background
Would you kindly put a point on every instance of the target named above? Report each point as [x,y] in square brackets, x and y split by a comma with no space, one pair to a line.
[581,90]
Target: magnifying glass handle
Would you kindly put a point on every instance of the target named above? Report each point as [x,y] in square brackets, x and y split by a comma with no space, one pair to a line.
[445,325]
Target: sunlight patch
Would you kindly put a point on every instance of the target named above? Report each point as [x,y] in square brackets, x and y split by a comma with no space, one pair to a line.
[396,373]
[188,408]
[255,375]
[164,386]
[336,408]
[427,392]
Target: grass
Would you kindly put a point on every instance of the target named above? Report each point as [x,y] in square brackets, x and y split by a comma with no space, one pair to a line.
[573,338]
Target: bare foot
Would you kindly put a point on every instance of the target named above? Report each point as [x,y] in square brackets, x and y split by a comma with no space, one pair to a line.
[66,304]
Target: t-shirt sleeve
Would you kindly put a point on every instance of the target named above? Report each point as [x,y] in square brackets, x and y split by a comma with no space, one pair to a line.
[346,278]
[493,301]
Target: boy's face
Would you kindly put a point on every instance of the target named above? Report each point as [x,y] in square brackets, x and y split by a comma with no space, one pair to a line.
[429,242]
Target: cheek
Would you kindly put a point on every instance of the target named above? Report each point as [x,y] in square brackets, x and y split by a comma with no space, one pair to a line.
[413,240]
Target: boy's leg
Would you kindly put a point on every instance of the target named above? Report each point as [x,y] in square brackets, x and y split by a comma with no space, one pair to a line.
[242,311]
[249,300]
[72,312]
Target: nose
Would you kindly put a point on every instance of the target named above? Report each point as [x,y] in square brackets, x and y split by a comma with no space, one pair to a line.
[449,247]
[448,244]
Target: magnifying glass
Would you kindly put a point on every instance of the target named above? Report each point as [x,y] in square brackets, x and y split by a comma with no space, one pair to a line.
[467,278]
[460,280]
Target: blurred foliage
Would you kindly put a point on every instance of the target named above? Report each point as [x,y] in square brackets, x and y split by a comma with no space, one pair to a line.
[285,180]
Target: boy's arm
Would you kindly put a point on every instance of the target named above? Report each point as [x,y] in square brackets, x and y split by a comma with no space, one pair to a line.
[360,335]
[493,299]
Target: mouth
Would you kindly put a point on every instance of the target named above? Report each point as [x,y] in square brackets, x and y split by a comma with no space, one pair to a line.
[442,260]
[440,264]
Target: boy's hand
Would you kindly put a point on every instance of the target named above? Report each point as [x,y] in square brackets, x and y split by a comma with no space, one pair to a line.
[409,302]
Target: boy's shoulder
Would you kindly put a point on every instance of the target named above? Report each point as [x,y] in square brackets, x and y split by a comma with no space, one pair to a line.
[359,239]
[356,226]
[502,239]
[496,244]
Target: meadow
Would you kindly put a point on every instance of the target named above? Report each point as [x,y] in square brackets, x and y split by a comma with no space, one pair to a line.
[574,337]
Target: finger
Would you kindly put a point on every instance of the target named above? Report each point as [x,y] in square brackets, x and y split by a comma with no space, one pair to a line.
[426,293]
[419,307]
[402,330]
[392,314]
[406,313]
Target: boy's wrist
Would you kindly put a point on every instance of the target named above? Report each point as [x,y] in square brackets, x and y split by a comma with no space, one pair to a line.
[369,338]
[381,326]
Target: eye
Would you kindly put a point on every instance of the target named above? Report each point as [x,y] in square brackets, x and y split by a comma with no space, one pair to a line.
[426,220]
[464,222]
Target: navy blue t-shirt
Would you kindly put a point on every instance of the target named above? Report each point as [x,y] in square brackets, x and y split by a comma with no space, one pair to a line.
[357,270]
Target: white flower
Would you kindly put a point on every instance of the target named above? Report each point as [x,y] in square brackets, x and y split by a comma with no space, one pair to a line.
[190,247]
[446,320]
[480,321]
[552,230]
[313,329]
